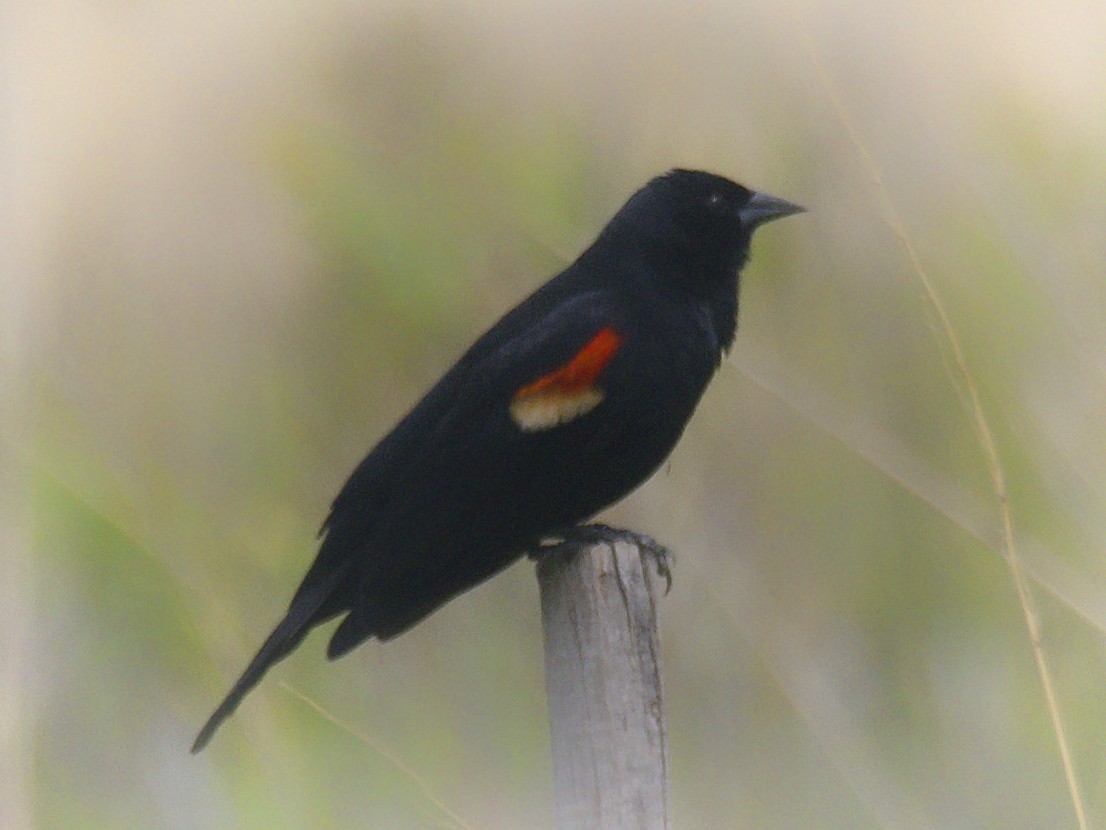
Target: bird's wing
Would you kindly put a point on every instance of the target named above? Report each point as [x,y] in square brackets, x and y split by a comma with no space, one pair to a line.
[537,332]
[504,462]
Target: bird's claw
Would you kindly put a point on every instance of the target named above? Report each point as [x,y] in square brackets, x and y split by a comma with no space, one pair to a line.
[663,558]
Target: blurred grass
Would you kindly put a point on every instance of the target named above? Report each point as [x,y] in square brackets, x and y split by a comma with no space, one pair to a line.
[242,242]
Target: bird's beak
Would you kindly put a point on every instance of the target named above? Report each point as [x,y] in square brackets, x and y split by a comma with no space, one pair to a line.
[763,208]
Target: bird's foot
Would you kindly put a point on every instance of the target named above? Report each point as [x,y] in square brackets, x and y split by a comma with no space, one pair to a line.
[591,534]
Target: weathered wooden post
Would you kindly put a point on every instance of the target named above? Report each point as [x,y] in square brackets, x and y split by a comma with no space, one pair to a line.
[603,679]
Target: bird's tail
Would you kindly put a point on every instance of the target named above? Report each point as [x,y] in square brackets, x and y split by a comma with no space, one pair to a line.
[303,614]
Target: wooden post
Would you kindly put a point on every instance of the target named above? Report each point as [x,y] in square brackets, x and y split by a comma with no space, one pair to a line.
[603,679]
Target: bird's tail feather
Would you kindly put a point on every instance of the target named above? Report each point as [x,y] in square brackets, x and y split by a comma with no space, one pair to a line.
[301,617]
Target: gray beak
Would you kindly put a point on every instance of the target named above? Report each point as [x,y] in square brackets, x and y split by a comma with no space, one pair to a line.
[763,208]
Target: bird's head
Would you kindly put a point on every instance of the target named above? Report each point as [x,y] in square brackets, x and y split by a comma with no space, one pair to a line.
[690,231]
[706,210]
[699,216]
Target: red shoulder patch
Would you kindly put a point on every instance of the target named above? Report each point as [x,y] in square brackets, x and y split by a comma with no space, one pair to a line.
[568,391]
[583,370]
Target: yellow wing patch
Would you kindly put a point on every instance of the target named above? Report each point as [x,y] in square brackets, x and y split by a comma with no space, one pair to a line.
[568,392]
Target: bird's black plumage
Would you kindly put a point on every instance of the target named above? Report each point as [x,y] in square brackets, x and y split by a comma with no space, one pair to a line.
[563,407]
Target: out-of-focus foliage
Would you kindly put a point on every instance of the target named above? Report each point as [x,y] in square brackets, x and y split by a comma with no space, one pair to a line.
[240,240]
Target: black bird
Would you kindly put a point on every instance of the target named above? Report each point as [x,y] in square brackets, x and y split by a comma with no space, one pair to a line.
[564,406]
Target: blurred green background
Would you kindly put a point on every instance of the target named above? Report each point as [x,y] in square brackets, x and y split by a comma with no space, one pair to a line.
[238,241]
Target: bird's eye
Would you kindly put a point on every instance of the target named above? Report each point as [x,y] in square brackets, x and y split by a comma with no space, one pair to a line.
[715,201]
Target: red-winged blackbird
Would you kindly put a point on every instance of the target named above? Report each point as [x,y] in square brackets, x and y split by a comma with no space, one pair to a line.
[563,407]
